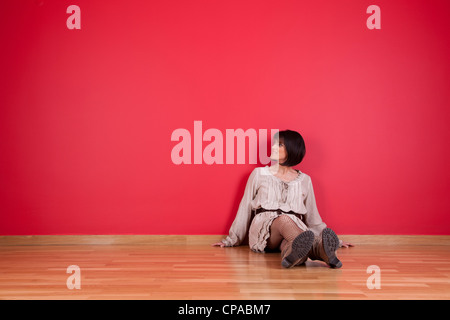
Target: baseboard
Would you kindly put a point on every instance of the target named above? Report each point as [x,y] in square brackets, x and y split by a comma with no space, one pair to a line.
[378,240]
[109,240]
[384,240]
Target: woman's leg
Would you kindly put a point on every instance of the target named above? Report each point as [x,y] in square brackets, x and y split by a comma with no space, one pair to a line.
[293,242]
[282,227]
[324,248]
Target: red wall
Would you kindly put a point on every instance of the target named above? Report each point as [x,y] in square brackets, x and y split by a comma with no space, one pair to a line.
[86,116]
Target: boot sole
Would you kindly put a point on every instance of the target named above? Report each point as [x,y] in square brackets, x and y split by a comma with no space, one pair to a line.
[300,249]
[330,244]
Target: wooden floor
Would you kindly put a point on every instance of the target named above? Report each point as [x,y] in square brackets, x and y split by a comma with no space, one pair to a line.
[140,271]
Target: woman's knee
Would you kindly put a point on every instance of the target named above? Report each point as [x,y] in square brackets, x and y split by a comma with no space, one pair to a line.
[283,219]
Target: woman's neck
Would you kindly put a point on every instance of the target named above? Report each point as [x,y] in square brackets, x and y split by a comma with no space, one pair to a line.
[280,170]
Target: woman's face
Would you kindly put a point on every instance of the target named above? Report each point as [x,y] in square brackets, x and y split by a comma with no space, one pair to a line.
[278,151]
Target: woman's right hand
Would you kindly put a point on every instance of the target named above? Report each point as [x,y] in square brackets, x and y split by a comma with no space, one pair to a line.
[218,244]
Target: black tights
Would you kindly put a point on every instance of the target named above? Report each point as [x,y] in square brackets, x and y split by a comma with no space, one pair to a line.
[282,232]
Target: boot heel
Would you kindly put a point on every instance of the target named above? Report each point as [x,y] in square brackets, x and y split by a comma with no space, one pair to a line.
[335,263]
[330,245]
[300,249]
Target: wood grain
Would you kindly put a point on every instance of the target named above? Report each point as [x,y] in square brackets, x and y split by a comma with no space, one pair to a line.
[203,239]
[189,268]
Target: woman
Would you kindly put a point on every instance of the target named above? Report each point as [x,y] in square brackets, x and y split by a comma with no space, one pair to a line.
[279,212]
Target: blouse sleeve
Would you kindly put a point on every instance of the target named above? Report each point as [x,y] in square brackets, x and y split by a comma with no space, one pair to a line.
[313,220]
[240,225]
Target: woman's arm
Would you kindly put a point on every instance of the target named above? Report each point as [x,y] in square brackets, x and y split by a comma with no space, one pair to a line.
[240,225]
[313,219]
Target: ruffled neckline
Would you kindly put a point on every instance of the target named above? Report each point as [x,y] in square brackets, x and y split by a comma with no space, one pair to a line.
[286,182]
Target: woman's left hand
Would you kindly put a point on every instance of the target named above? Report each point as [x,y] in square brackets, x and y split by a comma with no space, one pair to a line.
[346,244]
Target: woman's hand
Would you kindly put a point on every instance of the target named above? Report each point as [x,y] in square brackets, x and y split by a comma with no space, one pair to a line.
[218,244]
[346,244]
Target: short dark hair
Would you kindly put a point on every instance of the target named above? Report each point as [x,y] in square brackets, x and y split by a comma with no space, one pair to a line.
[294,144]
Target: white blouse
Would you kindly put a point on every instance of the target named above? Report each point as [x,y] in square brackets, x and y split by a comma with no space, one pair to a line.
[265,190]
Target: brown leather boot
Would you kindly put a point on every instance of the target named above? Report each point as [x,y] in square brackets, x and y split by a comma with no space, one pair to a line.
[324,248]
[296,252]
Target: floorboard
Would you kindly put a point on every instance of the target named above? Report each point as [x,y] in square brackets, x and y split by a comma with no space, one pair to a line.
[205,272]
